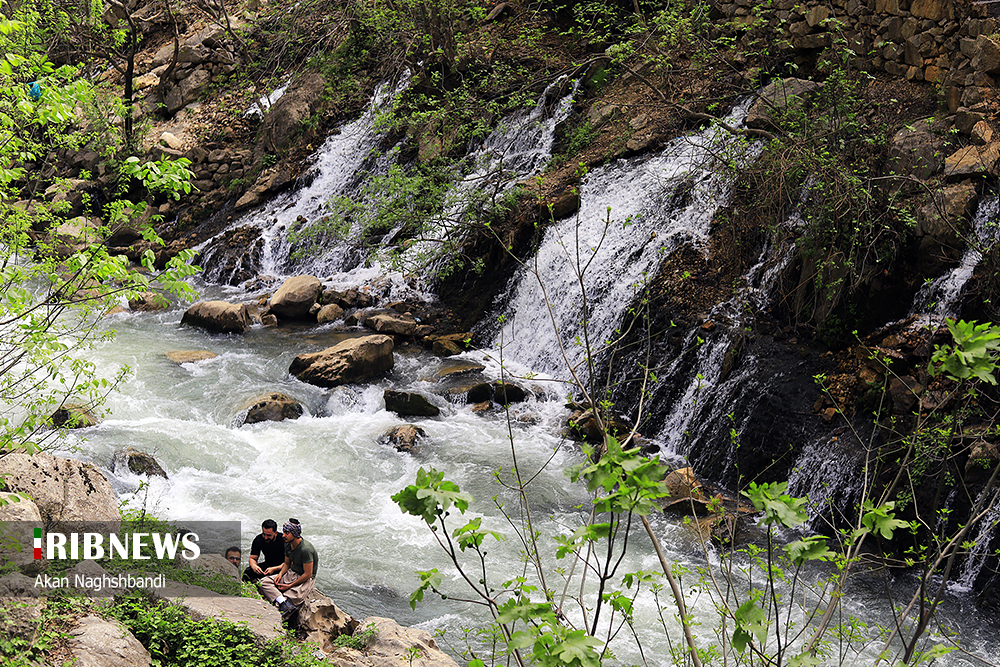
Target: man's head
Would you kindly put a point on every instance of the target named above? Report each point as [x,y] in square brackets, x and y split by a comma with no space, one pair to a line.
[233,555]
[269,529]
[291,531]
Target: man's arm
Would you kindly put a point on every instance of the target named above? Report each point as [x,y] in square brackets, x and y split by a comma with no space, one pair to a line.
[307,572]
[280,569]
[253,564]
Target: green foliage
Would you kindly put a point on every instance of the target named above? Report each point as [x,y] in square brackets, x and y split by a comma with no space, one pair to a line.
[57,277]
[164,176]
[431,496]
[974,354]
[173,638]
[360,640]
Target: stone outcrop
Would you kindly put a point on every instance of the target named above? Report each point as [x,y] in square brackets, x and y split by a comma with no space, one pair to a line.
[295,297]
[352,360]
[63,489]
[298,103]
[321,620]
[329,313]
[100,643]
[409,403]
[218,316]
[273,407]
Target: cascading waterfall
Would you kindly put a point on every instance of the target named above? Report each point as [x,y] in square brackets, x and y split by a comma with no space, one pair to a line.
[940,298]
[974,560]
[629,220]
[330,467]
[344,161]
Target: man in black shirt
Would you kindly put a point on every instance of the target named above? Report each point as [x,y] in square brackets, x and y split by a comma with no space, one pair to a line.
[268,544]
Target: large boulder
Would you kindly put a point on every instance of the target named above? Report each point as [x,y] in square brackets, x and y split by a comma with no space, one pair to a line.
[63,489]
[18,518]
[100,643]
[352,360]
[218,316]
[284,120]
[391,646]
[409,403]
[274,407]
[295,297]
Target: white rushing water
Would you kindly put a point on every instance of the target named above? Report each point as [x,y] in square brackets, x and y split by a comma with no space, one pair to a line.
[940,298]
[628,222]
[330,468]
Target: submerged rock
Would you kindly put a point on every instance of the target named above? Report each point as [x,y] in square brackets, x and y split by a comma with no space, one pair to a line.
[404,437]
[273,407]
[409,403]
[139,463]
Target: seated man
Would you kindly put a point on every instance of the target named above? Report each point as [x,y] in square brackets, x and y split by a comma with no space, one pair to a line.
[288,585]
[268,545]
[234,555]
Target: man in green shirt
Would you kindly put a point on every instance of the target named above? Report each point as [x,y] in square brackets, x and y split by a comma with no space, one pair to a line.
[295,579]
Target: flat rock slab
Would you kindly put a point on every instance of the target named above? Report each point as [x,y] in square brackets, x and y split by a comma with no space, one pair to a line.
[263,620]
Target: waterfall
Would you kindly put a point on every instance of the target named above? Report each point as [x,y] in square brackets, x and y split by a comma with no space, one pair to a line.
[345,160]
[940,298]
[633,213]
[974,560]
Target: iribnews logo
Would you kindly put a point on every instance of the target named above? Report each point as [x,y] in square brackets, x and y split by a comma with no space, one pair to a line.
[127,546]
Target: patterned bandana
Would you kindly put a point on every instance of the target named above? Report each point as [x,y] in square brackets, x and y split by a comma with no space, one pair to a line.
[293,528]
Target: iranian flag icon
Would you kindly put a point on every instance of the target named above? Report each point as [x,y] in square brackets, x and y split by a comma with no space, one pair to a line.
[38,543]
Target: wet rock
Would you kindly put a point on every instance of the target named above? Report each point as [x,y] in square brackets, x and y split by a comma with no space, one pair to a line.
[73,415]
[147,302]
[392,323]
[295,297]
[409,403]
[273,407]
[480,393]
[905,392]
[100,643]
[139,463]
[218,316]
[63,489]
[505,393]
[189,356]
[404,437]
[352,360]
[448,345]
[455,369]
[329,313]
